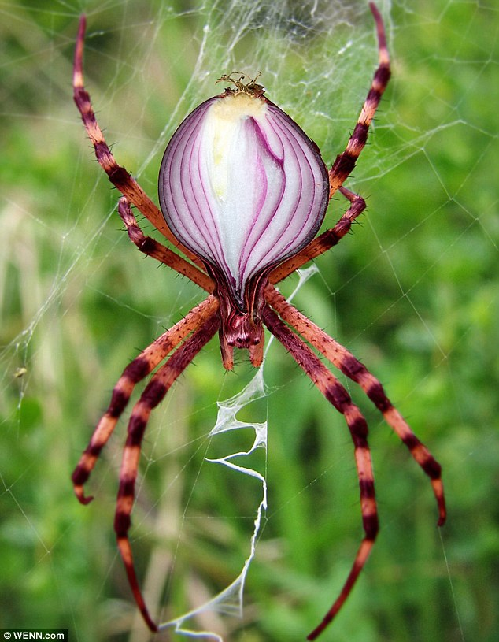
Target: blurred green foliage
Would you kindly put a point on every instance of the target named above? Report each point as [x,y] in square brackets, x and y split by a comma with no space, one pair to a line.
[413,292]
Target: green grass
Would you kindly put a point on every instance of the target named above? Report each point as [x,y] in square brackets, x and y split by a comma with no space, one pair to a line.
[413,292]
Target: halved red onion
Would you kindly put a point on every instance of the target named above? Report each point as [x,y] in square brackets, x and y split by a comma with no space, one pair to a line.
[242,186]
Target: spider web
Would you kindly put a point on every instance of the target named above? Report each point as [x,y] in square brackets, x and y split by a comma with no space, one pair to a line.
[230,600]
[413,292]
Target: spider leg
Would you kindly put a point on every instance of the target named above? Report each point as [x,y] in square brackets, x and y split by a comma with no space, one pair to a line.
[151,247]
[137,370]
[324,241]
[336,394]
[118,175]
[345,163]
[153,394]
[344,360]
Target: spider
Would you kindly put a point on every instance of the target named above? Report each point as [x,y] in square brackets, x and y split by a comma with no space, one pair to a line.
[243,192]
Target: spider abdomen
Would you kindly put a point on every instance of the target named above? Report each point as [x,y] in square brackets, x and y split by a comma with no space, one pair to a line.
[242,186]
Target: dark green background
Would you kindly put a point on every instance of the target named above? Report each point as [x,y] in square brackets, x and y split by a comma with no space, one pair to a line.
[413,292]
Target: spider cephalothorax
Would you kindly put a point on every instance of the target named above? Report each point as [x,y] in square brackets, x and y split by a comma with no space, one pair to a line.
[243,193]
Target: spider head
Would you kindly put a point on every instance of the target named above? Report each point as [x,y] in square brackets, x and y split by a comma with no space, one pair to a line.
[241,325]
[240,330]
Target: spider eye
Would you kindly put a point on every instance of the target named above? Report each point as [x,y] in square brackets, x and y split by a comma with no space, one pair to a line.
[242,186]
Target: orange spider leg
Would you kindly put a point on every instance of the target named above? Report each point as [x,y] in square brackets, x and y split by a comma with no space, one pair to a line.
[137,370]
[324,241]
[153,394]
[336,394]
[345,163]
[345,361]
[151,247]
[118,175]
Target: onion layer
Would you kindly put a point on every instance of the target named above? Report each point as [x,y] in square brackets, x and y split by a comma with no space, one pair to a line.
[242,186]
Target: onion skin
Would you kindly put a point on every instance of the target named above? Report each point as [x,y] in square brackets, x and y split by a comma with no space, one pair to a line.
[244,188]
